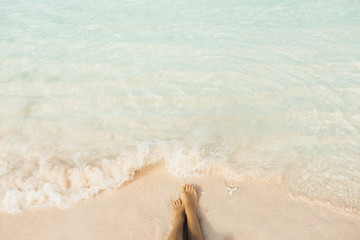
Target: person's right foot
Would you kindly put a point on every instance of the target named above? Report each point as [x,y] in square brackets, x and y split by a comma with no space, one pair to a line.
[189,198]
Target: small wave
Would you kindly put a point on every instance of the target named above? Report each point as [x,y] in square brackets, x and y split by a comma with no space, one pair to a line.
[30,181]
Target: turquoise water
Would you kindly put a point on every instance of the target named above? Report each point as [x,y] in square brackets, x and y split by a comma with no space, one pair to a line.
[91,91]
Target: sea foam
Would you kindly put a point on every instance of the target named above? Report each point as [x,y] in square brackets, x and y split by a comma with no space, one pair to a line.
[90,92]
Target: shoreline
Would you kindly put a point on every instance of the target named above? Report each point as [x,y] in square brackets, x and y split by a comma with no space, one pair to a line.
[141,209]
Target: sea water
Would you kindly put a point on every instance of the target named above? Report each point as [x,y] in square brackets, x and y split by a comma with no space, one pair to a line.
[91,91]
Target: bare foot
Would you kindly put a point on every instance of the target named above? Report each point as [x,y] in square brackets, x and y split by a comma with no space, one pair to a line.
[179,211]
[190,200]
[189,197]
[179,220]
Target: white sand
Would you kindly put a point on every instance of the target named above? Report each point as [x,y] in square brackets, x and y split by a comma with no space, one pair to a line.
[141,209]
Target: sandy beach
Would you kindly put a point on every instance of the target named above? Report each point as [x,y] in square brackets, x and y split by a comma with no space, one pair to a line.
[141,209]
[108,107]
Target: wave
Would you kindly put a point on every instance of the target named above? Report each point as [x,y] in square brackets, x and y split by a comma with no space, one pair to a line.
[30,181]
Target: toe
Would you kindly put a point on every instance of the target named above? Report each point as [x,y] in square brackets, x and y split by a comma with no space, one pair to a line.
[183,188]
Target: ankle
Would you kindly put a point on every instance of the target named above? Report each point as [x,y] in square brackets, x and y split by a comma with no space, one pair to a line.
[179,219]
[191,212]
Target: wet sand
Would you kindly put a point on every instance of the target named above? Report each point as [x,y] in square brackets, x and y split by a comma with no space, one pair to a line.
[141,209]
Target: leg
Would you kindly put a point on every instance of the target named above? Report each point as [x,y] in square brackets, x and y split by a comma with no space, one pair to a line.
[189,197]
[179,220]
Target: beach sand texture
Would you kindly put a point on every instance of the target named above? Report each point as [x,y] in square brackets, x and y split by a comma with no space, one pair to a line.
[141,209]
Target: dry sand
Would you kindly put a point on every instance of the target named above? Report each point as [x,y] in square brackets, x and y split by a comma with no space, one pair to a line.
[141,209]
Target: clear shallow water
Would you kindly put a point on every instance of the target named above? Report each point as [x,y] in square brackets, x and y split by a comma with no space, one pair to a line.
[91,91]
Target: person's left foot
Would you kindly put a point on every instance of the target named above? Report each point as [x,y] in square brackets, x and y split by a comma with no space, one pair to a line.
[179,211]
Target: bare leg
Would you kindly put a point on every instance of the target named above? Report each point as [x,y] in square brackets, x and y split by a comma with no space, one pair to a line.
[179,220]
[189,197]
